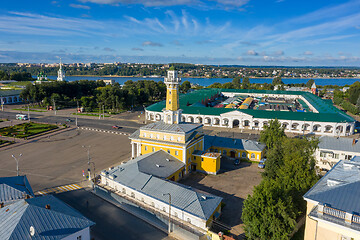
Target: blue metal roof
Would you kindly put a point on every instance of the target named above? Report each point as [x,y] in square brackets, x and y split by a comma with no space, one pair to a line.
[340,187]
[14,188]
[57,222]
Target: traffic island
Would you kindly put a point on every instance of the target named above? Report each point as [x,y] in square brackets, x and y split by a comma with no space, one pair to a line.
[26,130]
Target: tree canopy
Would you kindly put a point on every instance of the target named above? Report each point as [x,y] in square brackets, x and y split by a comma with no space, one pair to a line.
[272,210]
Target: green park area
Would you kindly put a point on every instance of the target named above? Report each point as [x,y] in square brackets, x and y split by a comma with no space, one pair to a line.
[26,130]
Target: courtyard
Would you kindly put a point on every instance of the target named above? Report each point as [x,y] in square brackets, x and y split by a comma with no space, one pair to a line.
[233,184]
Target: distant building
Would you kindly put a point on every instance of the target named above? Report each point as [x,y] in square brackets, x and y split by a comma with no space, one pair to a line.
[107,81]
[41,78]
[61,73]
[45,218]
[14,188]
[314,89]
[10,96]
[331,150]
[333,204]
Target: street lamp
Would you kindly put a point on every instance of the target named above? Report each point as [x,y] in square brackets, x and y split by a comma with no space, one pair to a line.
[88,153]
[17,163]
[164,194]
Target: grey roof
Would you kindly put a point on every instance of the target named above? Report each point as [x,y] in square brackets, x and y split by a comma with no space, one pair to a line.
[157,164]
[339,144]
[55,223]
[241,144]
[185,198]
[173,128]
[7,93]
[14,188]
[340,187]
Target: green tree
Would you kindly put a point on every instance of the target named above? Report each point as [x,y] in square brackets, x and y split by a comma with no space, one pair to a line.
[236,82]
[354,92]
[310,83]
[215,85]
[277,81]
[185,87]
[245,83]
[272,133]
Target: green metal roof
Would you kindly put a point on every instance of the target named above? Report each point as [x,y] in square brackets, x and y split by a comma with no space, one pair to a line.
[7,93]
[327,112]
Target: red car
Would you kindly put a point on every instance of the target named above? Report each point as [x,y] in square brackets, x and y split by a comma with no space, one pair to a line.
[116,127]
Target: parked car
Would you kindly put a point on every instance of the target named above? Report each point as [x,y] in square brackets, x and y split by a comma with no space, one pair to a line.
[262,163]
[116,127]
[236,162]
[21,117]
[69,120]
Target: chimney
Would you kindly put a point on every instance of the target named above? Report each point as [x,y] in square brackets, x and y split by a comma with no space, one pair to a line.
[47,206]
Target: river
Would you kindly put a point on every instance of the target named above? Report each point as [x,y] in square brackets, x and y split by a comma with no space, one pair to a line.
[208,81]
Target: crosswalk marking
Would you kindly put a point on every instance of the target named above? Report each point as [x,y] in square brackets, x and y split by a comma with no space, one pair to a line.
[65,188]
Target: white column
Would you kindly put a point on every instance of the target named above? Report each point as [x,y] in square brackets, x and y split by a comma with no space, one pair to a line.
[133,150]
[138,149]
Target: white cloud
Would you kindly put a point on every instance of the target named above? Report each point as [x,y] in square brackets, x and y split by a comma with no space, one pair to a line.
[308,53]
[252,53]
[152,44]
[79,6]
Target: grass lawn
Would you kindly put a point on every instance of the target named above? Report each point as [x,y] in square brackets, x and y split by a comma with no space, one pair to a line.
[3,142]
[19,130]
[19,83]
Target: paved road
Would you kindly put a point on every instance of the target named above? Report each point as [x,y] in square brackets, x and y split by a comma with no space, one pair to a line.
[111,221]
[127,126]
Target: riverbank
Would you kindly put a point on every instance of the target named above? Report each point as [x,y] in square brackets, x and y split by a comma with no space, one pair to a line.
[251,77]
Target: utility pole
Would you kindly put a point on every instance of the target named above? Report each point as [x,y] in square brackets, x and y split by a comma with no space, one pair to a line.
[54,105]
[164,194]
[76,114]
[103,112]
[29,112]
[88,153]
[17,163]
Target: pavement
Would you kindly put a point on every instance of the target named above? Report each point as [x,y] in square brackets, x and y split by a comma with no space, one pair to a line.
[111,222]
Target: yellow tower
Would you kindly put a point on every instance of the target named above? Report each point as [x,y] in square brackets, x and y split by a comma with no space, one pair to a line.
[172,113]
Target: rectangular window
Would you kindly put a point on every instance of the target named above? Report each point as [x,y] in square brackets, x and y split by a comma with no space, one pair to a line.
[194,158]
[322,154]
[336,155]
[176,153]
[202,159]
[168,151]
[153,149]
[145,148]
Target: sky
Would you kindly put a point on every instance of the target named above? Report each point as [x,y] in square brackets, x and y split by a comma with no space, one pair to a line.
[232,32]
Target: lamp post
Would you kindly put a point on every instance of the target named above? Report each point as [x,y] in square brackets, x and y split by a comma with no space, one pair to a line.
[164,194]
[88,153]
[17,163]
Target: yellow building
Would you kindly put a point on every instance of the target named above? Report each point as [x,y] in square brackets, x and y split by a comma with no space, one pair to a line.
[186,141]
[333,204]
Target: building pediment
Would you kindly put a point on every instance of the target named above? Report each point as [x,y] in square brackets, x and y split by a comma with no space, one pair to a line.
[236,114]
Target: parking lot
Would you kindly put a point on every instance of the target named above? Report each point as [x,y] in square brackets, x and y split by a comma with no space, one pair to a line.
[234,184]
[59,159]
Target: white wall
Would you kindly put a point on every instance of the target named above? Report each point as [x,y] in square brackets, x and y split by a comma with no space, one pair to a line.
[152,202]
[331,157]
[85,235]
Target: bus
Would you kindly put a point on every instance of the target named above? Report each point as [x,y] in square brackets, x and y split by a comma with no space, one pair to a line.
[22,117]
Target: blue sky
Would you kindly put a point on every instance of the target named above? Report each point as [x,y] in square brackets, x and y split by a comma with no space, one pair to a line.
[244,32]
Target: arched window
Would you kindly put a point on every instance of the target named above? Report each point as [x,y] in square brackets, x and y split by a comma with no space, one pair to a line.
[243,154]
[253,155]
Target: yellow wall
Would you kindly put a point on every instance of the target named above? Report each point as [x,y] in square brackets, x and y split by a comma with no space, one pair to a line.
[322,230]
[258,154]
[176,175]
[177,138]
[208,222]
[147,147]
[207,164]
[172,100]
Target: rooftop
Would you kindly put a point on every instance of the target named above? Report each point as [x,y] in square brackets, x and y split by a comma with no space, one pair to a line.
[185,198]
[14,188]
[57,222]
[159,164]
[339,144]
[327,112]
[242,144]
[340,187]
[171,128]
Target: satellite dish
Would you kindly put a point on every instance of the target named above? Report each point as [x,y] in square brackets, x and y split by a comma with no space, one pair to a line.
[32,231]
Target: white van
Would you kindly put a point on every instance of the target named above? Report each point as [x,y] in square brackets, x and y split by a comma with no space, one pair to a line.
[22,117]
